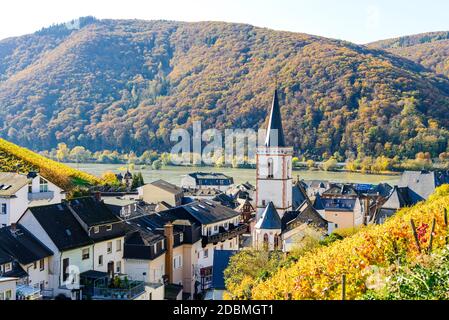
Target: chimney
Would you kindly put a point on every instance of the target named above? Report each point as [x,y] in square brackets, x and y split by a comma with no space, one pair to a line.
[97,196]
[168,233]
[13,227]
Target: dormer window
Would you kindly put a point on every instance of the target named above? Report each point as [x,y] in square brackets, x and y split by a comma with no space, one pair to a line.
[8,267]
[43,185]
[181,237]
[109,227]
[96,229]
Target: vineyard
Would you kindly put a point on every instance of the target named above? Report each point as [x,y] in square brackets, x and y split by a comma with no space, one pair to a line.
[17,159]
[393,257]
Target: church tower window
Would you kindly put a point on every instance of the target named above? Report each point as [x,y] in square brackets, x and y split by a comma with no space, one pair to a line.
[270,168]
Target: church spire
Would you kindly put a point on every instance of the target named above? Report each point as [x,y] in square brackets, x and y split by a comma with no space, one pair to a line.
[275,125]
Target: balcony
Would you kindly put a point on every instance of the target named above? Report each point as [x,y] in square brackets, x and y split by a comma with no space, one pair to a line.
[35,196]
[98,286]
[224,235]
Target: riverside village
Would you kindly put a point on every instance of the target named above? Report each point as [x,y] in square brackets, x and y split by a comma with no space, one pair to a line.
[162,241]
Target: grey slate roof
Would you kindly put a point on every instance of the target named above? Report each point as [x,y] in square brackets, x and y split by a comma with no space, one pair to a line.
[221,262]
[399,198]
[22,245]
[270,219]
[306,214]
[92,212]
[211,178]
[167,186]
[341,190]
[318,203]
[339,204]
[275,132]
[422,183]
[298,196]
[61,226]
[207,212]
[5,257]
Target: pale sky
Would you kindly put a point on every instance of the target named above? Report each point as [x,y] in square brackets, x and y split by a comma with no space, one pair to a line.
[359,21]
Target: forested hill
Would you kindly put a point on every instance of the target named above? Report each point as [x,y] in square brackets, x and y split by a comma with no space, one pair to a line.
[429,49]
[124,84]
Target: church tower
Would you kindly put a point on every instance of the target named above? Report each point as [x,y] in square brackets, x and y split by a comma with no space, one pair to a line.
[274,166]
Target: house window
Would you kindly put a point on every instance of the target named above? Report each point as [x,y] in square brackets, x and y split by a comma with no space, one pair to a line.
[30,186]
[206,253]
[65,269]
[35,265]
[41,264]
[181,237]
[96,229]
[118,243]
[162,244]
[263,203]
[85,254]
[8,267]
[118,267]
[177,262]
[100,260]
[43,185]
[8,295]
[109,227]
[4,209]
[109,249]
[215,228]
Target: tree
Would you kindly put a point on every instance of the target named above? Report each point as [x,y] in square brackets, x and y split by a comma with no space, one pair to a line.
[295,161]
[110,178]
[330,164]
[62,152]
[80,154]
[157,164]
[310,164]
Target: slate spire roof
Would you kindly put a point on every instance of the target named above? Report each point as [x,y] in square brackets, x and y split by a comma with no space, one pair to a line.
[275,125]
[270,219]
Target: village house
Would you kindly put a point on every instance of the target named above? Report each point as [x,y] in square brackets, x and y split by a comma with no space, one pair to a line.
[20,191]
[161,191]
[399,198]
[7,287]
[200,180]
[84,237]
[29,261]
[421,184]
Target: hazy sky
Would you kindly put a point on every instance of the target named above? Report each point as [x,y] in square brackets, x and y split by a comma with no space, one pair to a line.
[360,21]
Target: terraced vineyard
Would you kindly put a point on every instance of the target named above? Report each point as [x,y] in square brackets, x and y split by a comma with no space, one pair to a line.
[14,158]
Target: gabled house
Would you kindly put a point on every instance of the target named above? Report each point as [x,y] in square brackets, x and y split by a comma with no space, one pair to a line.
[160,190]
[274,232]
[398,198]
[30,261]
[200,180]
[106,231]
[8,288]
[343,212]
[422,184]
[20,191]
[84,236]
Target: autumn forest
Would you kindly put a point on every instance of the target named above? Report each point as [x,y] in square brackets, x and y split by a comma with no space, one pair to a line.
[122,85]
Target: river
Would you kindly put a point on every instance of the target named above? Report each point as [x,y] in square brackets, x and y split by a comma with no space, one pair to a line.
[174,174]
